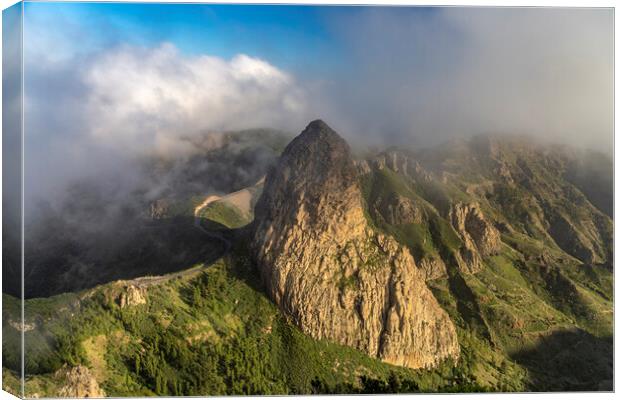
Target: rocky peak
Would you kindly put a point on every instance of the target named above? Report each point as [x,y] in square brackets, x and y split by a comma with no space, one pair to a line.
[316,164]
[330,272]
[319,147]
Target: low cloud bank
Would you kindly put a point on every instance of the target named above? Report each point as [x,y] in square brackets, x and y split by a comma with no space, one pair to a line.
[429,76]
[407,78]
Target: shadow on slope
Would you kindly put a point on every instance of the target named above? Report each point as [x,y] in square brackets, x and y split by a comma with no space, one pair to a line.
[569,360]
[147,248]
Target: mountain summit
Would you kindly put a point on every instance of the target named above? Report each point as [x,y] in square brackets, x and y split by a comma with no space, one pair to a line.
[330,271]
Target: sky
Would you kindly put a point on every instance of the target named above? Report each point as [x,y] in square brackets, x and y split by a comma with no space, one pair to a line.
[287,36]
[105,82]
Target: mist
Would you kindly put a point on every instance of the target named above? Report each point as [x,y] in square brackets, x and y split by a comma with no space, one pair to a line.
[404,77]
[102,116]
[456,72]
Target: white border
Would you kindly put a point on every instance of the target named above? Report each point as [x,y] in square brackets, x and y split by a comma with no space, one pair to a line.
[506,3]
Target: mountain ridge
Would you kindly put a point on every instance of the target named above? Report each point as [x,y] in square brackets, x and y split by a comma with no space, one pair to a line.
[466,238]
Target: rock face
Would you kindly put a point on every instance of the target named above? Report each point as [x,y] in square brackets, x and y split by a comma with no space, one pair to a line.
[480,238]
[433,268]
[402,164]
[397,210]
[79,382]
[22,326]
[131,296]
[326,268]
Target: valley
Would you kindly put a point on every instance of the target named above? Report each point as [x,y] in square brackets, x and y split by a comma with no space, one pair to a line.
[483,264]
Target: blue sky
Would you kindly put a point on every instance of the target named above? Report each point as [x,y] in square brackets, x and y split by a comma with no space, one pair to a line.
[307,39]
[291,37]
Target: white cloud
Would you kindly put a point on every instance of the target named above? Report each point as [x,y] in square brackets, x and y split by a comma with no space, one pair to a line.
[148,98]
[89,116]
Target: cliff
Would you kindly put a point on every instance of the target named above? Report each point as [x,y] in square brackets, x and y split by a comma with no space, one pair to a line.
[330,272]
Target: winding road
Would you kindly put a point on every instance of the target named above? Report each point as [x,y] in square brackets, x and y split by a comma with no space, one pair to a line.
[147,281]
[212,234]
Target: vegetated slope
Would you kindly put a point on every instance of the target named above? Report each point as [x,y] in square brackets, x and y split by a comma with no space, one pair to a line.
[515,252]
[234,210]
[211,331]
[532,309]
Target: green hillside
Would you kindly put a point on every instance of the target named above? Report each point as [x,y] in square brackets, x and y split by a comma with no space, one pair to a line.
[535,315]
[210,332]
[534,302]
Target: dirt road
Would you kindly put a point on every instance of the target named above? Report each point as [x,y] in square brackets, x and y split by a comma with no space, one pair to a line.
[212,234]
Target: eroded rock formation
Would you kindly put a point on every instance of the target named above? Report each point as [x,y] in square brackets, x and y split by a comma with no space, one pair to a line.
[480,237]
[131,296]
[330,272]
[78,382]
[398,210]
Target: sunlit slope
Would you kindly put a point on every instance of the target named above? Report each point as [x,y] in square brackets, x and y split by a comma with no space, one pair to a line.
[547,285]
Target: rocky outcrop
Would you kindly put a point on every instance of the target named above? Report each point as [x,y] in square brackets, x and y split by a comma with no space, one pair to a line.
[363,167]
[78,382]
[402,164]
[398,210]
[432,267]
[131,296]
[330,272]
[22,326]
[480,238]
